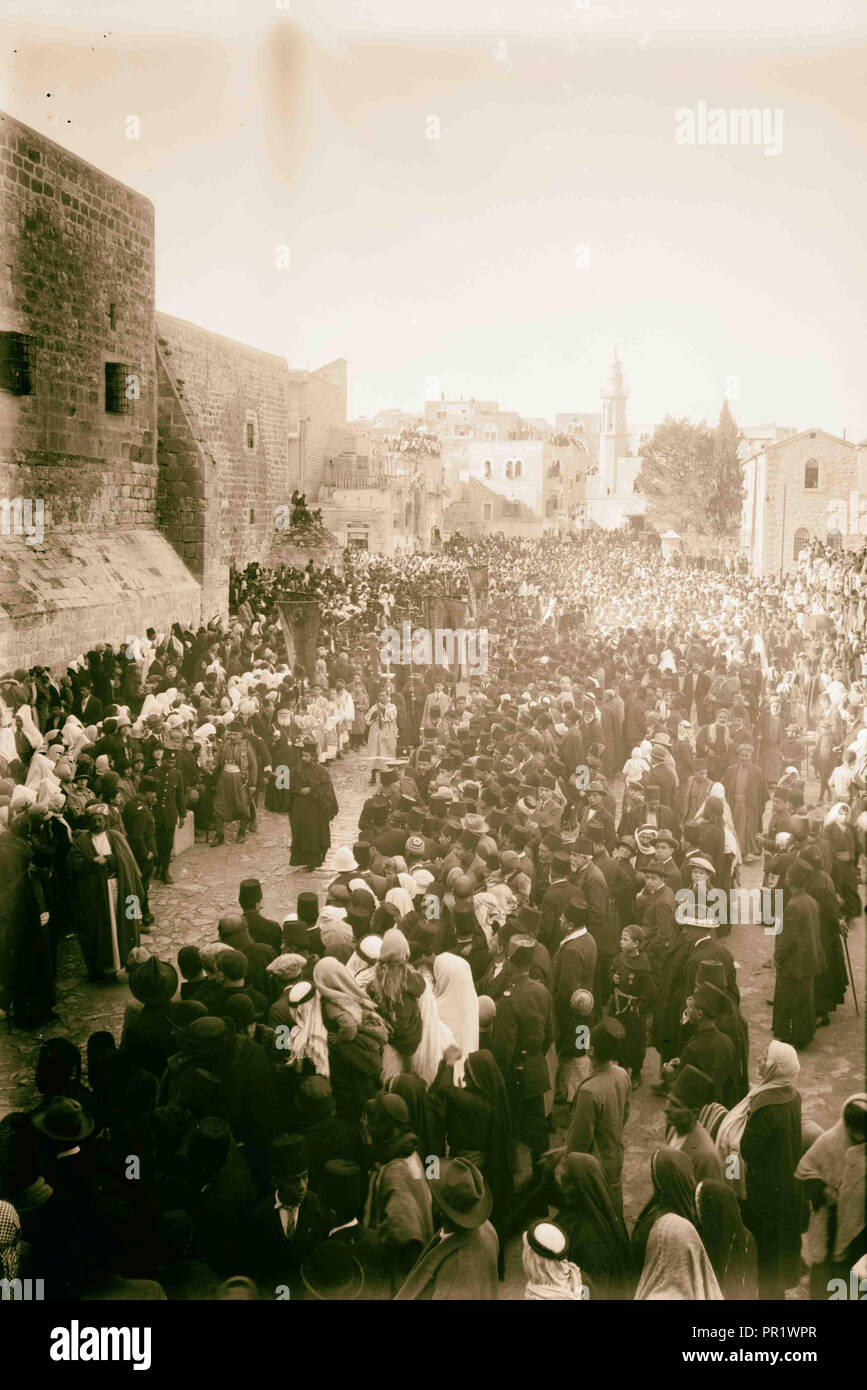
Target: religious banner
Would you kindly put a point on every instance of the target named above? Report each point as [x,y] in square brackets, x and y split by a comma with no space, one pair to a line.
[299,618]
[477,585]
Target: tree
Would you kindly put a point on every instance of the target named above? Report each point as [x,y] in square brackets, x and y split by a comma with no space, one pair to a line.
[726,496]
[675,476]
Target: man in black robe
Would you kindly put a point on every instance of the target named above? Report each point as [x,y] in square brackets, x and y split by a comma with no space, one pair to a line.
[312,808]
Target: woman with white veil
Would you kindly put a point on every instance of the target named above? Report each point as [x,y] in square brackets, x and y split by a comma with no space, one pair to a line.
[457,1004]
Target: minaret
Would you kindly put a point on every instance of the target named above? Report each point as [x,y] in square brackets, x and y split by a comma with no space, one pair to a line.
[614,439]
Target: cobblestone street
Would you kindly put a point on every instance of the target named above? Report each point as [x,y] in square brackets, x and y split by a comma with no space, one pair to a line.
[206,886]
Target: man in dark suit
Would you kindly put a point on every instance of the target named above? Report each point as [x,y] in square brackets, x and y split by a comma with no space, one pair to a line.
[138,823]
[708,1050]
[523,1033]
[291,1221]
[553,905]
[260,928]
[90,709]
[169,807]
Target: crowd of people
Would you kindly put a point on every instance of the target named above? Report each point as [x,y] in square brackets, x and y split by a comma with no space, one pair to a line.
[435,1056]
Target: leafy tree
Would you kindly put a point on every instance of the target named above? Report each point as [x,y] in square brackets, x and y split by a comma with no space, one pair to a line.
[676,475]
[726,496]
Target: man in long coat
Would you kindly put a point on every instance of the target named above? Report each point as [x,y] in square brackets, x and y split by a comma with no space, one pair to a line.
[108,894]
[747,793]
[312,808]
[798,959]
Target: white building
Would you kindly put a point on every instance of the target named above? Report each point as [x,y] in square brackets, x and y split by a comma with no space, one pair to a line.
[612,499]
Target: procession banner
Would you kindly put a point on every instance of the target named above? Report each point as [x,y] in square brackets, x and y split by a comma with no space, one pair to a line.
[478,588]
[299,618]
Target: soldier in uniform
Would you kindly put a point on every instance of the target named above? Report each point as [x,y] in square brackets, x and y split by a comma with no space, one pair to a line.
[523,1034]
[169,807]
[138,824]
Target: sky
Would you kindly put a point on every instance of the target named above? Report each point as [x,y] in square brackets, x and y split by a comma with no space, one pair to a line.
[555,217]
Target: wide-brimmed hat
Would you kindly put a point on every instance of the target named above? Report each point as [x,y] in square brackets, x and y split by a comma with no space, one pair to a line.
[64,1119]
[154,982]
[461,1193]
[331,1272]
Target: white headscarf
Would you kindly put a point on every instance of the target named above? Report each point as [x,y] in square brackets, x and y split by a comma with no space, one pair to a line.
[457,1003]
[781,1070]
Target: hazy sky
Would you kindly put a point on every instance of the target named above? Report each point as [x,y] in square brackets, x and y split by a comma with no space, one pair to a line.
[457,263]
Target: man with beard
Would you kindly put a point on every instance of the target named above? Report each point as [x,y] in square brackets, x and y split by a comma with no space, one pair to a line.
[108,894]
[312,808]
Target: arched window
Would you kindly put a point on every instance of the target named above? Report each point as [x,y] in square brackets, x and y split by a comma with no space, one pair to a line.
[487,468]
[802,540]
[519,468]
[408,515]
[811,474]
[835,540]
[508,468]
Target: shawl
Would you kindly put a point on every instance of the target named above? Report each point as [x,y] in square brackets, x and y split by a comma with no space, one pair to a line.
[550,1279]
[401,900]
[833,816]
[673,1193]
[335,984]
[309,1037]
[435,1038]
[838,1163]
[457,1004]
[483,1075]
[724,1236]
[677,1265]
[775,1088]
[732,843]
[591,1198]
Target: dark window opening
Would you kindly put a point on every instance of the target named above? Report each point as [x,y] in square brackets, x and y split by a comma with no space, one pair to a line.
[802,540]
[117,401]
[15,363]
[252,516]
[811,474]
[251,434]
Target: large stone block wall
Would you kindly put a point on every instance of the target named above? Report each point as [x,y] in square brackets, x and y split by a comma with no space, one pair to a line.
[217,497]
[75,243]
[789,505]
[77,278]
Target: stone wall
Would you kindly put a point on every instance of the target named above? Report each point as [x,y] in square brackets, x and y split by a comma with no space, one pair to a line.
[789,506]
[219,489]
[317,404]
[77,280]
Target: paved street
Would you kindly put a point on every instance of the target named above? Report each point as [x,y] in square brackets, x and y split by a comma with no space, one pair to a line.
[206,886]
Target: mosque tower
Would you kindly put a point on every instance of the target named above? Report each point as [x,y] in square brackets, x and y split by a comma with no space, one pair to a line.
[614,438]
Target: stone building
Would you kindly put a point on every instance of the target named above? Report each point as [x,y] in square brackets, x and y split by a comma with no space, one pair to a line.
[384,501]
[78,409]
[810,485]
[153,453]
[547,480]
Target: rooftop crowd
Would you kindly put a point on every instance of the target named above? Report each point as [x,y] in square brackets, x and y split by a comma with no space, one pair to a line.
[381,1094]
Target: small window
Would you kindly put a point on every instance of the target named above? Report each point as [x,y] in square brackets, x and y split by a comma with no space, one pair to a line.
[487,468]
[802,540]
[252,516]
[508,468]
[519,468]
[251,430]
[120,388]
[811,474]
[487,511]
[15,363]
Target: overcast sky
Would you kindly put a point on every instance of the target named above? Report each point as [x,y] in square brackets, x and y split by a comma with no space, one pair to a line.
[458,264]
